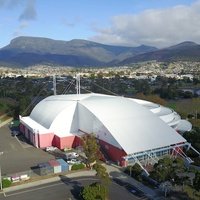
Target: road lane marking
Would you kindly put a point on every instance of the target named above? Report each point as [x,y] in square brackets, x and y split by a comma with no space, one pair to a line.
[4,194]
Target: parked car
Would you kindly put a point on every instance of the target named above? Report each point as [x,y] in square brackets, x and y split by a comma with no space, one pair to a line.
[71,155]
[135,191]
[119,182]
[73,161]
[51,148]
[15,133]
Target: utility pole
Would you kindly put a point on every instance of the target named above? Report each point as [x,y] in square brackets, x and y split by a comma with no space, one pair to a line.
[54,84]
[78,85]
[1,187]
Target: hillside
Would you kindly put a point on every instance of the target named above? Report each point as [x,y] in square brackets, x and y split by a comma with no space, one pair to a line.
[27,51]
[186,51]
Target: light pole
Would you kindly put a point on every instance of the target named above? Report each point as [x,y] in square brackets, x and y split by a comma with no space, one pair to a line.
[1,153]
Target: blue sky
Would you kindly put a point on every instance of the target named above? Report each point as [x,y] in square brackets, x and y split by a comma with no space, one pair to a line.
[157,23]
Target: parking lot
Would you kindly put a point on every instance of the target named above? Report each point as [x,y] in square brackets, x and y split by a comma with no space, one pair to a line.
[18,155]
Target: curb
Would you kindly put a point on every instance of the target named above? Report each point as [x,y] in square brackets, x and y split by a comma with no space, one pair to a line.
[48,180]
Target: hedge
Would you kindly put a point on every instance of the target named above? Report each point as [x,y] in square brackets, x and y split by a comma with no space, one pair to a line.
[6,183]
[78,166]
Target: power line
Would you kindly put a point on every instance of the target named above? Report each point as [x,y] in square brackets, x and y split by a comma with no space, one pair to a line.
[34,100]
[68,86]
[106,89]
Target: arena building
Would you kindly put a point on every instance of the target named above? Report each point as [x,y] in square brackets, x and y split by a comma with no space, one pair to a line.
[128,130]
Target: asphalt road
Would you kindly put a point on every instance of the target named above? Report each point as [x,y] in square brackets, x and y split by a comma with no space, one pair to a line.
[66,189]
[18,155]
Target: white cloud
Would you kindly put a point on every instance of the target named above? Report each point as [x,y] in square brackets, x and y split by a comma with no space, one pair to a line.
[154,27]
[29,12]
[28,6]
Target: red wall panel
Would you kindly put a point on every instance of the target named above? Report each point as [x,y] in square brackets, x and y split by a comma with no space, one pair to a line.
[64,142]
[45,140]
[77,142]
[113,152]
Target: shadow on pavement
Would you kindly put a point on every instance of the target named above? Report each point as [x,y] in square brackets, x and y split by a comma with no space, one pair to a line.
[76,190]
[76,187]
[65,180]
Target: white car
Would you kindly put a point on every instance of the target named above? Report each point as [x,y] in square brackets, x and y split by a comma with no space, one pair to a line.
[51,148]
[71,155]
[75,155]
[73,161]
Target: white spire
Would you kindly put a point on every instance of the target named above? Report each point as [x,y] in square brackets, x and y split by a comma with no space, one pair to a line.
[54,84]
[78,84]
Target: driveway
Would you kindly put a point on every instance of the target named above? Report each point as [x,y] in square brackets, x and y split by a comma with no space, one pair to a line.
[18,155]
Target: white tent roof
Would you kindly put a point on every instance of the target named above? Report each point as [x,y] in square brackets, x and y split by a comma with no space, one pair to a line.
[132,125]
[49,108]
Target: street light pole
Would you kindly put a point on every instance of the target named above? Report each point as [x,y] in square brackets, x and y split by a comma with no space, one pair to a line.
[1,153]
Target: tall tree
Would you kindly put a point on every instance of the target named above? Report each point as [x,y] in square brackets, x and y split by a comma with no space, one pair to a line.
[102,173]
[196,182]
[90,148]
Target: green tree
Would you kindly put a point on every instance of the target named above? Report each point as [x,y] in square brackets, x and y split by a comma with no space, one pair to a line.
[90,148]
[194,139]
[178,165]
[163,170]
[196,182]
[102,173]
[94,191]
[135,170]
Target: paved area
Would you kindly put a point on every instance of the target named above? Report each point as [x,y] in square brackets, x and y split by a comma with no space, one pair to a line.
[115,172]
[50,180]
[66,188]
[17,155]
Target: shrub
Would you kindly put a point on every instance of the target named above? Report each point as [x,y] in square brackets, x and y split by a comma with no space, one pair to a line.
[6,183]
[135,171]
[78,166]
[94,191]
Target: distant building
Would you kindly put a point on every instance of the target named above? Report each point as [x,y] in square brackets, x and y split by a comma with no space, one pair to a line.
[128,130]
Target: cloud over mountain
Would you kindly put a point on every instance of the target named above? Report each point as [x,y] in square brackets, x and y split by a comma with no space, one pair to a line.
[157,27]
[29,12]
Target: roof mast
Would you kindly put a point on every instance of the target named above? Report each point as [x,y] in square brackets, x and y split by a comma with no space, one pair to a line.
[54,84]
[78,84]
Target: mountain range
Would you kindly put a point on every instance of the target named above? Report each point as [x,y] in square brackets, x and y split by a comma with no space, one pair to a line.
[28,51]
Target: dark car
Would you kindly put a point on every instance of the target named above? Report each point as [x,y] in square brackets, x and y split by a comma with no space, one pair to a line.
[15,133]
[119,182]
[132,189]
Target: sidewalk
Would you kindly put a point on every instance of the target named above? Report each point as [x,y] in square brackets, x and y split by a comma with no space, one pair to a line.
[114,172]
[49,180]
